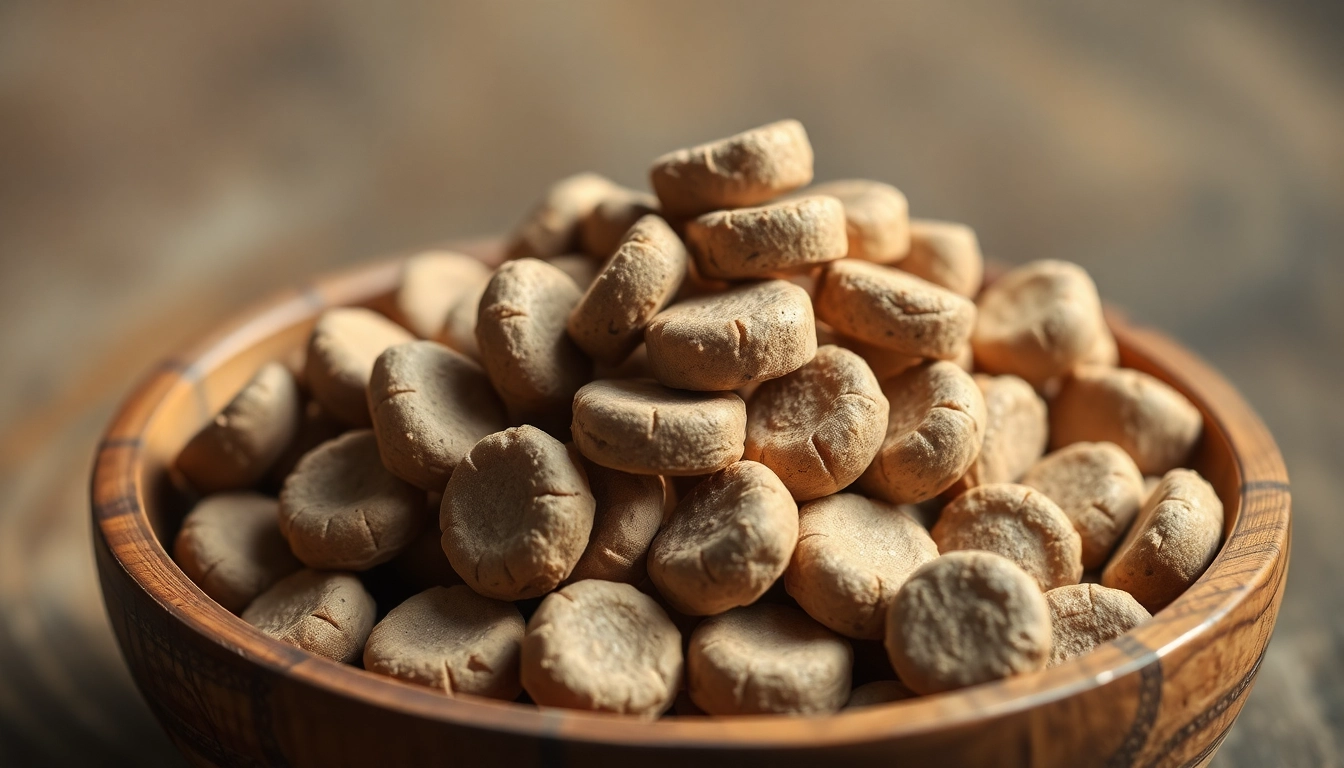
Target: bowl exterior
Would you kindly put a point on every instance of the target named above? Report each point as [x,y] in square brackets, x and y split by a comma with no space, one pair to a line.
[1164,694]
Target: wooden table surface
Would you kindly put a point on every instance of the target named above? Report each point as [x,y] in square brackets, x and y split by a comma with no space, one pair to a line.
[162,165]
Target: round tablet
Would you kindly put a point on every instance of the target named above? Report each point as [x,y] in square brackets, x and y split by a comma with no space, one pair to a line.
[429,406]
[636,283]
[640,426]
[770,239]
[893,309]
[1174,539]
[945,254]
[230,546]
[721,341]
[601,231]
[1098,487]
[432,283]
[967,618]
[818,427]
[852,557]
[341,509]
[1083,616]
[727,542]
[877,221]
[236,448]
[534,365]
[552,226]
[748,168]
[604,647]
[629,509]
[1156,425]
[1037,321]
[516,514]
[1018,522]
[328,613]
[341,351]
[878,692]
[450,639]
[1016,431]
[934,433]
[767,659]
[459,327]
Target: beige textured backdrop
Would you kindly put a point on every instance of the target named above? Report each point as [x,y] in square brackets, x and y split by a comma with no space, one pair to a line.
[161,163]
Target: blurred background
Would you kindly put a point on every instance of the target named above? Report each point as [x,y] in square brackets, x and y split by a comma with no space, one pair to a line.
[163,164]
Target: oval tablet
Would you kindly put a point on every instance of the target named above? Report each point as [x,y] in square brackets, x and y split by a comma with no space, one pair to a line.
[1018,522]
[767,659]
[341,509]
[341,350]
[432,284]
[628,511]
[231,547]
[1084,616]
[450,639]
[1098,487]
[640,426]
[552,227]
[244,440]
[605,647]
[934,433]
[430,405]
[721,341]
[877,221]
[516,514]
[727,541]
[602,231]
[770,239]
[967,618]
[1017,429]
[328,613]
[893,310]
[946,254]
[818,427]
[748,168]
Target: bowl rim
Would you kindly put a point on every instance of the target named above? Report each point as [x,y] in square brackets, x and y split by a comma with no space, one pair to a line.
[1247,560]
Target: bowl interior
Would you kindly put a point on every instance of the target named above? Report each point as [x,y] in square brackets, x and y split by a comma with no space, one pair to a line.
[207,376]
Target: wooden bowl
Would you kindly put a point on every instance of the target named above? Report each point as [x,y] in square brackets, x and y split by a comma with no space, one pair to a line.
[1164,694]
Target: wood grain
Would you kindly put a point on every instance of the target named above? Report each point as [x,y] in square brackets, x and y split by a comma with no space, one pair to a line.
[162,165]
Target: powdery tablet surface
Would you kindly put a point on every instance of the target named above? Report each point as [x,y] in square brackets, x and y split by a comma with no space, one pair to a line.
[341,509]
[636,283]
[767,659]
[727,541]
[893,310]
[1156,425]
[1018,522]
[516,514]
[721,341]
[534,365]
[770,239]
[341,351]
[1173,540]
[628,512]
[601,231]
[878,692]
[236,448]
[328,613]
[946,254]
[877,220]
[450,639]
[640,426]
[748,168]
[605,647]
[934,433]
[852,557]
[1083,616]
[230,546]
[552,227]
[1037,321]
[1098,487]
[1017,429]
[430,405]
[432,284]
[967,618]
[818,427]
